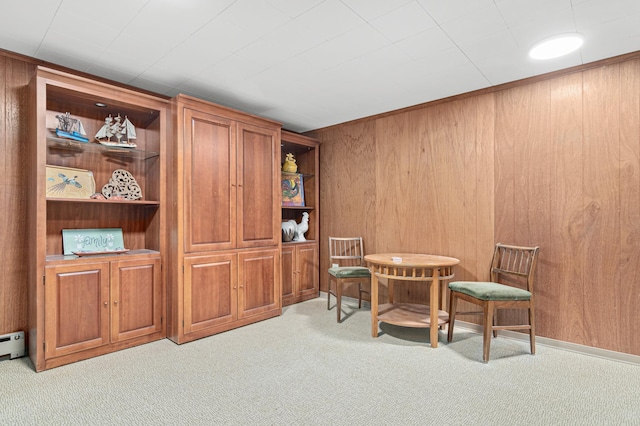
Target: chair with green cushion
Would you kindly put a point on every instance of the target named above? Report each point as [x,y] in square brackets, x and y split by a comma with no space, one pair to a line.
[346,260]
[511,266]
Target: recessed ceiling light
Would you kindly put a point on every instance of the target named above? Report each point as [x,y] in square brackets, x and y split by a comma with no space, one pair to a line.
[556,46]
[101,105]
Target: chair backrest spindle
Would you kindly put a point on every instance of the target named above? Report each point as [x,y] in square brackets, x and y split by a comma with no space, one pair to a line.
[346,251]
[514,261]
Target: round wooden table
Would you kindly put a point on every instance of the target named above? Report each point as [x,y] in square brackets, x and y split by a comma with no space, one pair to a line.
[428,268]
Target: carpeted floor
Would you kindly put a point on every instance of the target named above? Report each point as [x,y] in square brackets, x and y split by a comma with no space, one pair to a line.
[305,369]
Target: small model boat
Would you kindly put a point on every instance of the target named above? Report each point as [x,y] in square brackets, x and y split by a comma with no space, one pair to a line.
[70,128]
[115,127]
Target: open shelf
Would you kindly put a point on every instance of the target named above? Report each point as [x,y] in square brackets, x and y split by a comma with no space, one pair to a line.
[67,147]
[127,255]
[297,208]
[304,175]
[110,201]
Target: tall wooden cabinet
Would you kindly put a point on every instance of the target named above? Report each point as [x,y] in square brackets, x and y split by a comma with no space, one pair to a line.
[83,306]
[300,279]
[225,218]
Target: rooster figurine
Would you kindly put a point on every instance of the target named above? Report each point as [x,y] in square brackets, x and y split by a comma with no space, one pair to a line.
[302,227]
[290,165]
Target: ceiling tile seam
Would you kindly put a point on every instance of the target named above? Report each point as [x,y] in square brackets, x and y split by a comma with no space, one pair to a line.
[376,17]
[118,35]
[263,37]
[368,22]
[44,36]
[575,29]
[311,47]
[176,46]
[458,46]
[515,40]
[274,29]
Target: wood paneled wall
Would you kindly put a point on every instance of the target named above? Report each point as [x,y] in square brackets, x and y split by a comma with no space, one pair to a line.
[554,163]
[420,181]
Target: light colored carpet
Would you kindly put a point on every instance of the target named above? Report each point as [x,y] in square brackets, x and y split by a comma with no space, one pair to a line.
[305,369]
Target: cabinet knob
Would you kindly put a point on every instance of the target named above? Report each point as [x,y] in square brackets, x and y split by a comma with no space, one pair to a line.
[106,304]
[115,302]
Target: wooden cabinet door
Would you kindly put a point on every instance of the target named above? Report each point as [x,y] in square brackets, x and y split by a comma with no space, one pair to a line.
[288,273]
[210,291]
[259,282]
[76,308]
[136,298]
[299,272]
[258,200]
[307,268]
[209,182]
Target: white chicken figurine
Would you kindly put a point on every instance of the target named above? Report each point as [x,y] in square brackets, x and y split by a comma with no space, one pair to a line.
[302,227]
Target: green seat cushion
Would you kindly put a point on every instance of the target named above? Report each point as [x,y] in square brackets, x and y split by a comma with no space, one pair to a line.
[349,271]
[489,291]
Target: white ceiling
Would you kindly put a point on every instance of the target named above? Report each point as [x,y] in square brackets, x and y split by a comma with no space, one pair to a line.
[314,63]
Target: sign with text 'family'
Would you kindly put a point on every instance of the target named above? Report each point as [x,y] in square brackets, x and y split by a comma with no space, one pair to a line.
[99,240]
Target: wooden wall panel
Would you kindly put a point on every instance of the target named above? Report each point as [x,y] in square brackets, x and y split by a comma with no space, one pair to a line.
[628,315]
[347,193]
[560,300]
[395,188]
[601,130]
[14,76]
[5,293]
[484,216]
[523,120]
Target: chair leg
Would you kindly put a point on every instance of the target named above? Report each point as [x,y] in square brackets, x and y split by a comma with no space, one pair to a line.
[495,322]
[329,293]
[486,338]
[338,299]
[532,330]
[453,303]
[359,295]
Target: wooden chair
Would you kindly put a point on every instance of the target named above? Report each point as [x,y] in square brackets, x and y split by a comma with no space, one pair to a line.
[346,261]
[510,265]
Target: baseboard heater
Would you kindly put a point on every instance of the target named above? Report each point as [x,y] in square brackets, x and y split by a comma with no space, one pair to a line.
[12,344]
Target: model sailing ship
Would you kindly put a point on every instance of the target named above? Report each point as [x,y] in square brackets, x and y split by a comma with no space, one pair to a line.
[70,128]
[115,127]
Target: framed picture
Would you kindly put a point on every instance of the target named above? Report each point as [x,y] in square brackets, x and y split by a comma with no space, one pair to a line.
[92,241]
[292,190]
[66,182]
